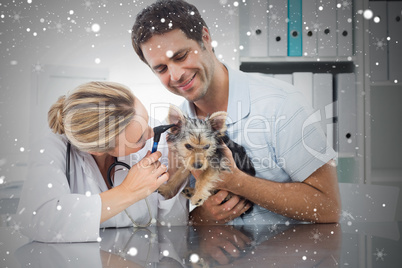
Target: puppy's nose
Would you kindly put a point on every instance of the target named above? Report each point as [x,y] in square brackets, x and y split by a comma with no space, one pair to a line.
[197,165]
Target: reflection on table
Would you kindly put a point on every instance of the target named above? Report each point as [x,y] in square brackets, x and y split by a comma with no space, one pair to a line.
[310,245]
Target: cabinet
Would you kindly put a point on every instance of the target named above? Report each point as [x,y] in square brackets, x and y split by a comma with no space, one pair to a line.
[332,44]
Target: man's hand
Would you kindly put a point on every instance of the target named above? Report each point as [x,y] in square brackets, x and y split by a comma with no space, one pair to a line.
[214,212]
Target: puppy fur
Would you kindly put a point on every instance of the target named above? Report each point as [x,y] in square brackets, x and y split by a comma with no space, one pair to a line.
[197,145]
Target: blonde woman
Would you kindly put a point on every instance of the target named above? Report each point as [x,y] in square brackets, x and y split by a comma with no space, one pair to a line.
[69,195]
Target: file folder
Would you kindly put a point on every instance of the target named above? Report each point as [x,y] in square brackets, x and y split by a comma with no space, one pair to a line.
[284,77]
[395,43]
[326,21]
[346,112]
[253,29]
[295,28]
[309,28]
[303,81]
[344,29]
[278,28]
[323,101]
[378,43]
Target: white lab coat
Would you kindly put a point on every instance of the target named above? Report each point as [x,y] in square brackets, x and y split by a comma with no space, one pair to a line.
[51,211]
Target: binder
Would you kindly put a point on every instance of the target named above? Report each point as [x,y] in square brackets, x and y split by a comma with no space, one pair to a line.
[346,112]
[395,43]
[378,43]
[277,25]
[309,28]
[284,77]
[344,28]
[295,28]
[253,29]
[303,81]
[326,21]
[323,101]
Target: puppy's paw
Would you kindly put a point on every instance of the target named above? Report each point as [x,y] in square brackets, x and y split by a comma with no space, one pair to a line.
[188,192]
[165,191]
[197,201]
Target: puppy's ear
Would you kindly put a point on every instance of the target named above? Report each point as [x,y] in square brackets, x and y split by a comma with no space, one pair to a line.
[217,121]
[175,116]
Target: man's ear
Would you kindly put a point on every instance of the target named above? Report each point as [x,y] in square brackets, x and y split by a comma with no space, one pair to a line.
[217,121]
[206,37]
[175,116]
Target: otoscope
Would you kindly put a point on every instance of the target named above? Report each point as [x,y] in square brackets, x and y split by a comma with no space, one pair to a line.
[157,134]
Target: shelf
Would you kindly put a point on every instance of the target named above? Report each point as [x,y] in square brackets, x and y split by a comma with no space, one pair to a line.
[298,59]
[386,84]
[386,175]
[280,67]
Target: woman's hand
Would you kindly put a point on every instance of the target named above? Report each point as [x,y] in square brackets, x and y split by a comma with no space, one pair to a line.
[142,180]
[145,176]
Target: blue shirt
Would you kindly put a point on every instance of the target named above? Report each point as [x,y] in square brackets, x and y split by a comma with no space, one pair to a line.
[273,122]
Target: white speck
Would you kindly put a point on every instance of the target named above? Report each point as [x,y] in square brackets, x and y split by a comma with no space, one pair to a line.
[95,27]
[13,62]
[34,213]
[132,251]
[214,44]
[377,19]
[34,34]
[71,12]
[383,205]
[50,185]
[165,253]
[304,258]
[194,258]
[192,13]
[195,51]
[349,223]
[2,179]
[248,33]
[170,25]
[108,208]
[28,30]
[29,1]
[22,149]
[42,151]
[97,60]
[236,4]
[396,81]
[169,53]
[88,193]
[58,207]
[368,14]
[320,8]
[163,20]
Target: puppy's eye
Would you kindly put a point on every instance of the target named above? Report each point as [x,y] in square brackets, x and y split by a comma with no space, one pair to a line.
[188,146]
[206,147]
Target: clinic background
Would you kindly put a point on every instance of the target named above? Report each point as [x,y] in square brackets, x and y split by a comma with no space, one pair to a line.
[48,47]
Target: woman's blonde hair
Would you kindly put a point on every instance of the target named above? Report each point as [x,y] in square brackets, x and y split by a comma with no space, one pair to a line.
[93,115]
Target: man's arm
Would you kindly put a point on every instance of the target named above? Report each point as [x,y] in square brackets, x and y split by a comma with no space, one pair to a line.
[316,199]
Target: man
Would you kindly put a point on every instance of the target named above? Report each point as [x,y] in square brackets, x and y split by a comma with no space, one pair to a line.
[296,177]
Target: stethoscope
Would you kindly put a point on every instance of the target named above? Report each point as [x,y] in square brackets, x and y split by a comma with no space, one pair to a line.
[157,133]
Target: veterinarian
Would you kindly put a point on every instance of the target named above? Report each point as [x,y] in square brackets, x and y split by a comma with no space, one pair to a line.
[76,185]
[296,179]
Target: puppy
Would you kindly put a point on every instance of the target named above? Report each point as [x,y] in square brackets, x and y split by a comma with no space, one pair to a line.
[198,145]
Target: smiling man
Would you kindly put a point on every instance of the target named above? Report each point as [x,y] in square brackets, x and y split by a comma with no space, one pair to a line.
[296,178]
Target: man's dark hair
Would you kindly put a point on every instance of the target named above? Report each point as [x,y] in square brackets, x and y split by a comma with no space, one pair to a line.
[164,16]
